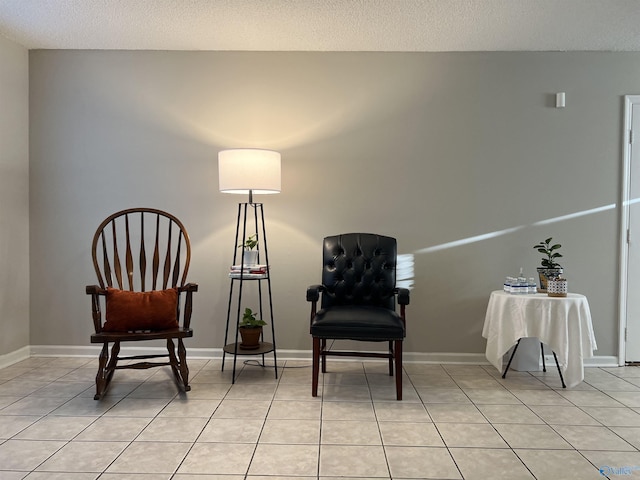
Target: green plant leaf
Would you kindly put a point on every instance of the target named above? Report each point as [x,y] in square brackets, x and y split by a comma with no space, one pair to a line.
[250,242]
[249,319]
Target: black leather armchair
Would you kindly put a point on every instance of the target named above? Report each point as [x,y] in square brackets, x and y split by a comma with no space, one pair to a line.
[358,299]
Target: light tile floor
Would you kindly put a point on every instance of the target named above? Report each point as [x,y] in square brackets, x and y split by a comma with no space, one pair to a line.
[456,421]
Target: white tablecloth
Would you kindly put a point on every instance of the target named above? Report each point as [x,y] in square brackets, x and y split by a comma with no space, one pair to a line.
[563,323]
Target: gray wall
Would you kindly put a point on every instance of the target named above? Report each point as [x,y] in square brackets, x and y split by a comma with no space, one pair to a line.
[431,148]
[14,197]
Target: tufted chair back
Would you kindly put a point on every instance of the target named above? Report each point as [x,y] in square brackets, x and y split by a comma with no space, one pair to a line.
[359,269]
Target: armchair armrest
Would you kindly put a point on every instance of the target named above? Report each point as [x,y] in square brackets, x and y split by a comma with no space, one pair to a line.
[313,293]
[403,300]
[403,296]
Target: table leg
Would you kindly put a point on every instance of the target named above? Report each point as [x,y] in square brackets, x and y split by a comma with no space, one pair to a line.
[544,368]
[511,358]
[558,365]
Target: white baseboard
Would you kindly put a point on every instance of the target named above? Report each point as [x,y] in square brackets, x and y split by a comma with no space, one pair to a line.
[195,353]
[216,353]
[15,357]
[94,351]
[597,361]
[445,358]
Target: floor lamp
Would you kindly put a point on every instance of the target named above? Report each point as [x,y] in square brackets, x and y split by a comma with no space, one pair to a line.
[249,171]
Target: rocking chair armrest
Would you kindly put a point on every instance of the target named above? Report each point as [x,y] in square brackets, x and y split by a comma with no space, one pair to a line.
[96,314]
[95,290]
[189,287]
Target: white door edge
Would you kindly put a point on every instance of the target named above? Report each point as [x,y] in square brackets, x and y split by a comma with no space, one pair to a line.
[629,101]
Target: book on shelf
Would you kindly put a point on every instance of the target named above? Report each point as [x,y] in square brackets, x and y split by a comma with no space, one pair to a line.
[247,276]
[250,268]
[249,271]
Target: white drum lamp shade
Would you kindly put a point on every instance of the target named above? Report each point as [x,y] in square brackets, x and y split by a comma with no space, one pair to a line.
[249,170]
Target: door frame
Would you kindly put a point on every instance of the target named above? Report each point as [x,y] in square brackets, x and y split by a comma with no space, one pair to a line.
[629,101]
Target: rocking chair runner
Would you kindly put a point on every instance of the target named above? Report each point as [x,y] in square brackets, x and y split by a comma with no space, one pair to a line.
[142,296]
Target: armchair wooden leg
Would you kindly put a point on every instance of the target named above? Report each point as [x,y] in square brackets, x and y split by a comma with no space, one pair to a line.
[323,347]
[398,359]
[391,358]
[315,366]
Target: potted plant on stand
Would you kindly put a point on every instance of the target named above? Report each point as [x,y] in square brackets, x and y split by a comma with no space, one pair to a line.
[549,268]
[250,330]
[249,255]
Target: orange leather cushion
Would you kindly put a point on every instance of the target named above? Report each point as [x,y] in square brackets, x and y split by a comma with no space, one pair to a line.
[154,310]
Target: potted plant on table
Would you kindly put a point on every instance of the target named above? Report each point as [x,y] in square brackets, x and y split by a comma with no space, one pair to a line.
[549,269]
[250,330]
[249,255]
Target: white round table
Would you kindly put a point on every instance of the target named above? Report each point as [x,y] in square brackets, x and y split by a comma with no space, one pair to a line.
[563,323]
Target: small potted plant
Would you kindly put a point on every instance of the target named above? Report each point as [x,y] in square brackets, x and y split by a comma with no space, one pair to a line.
[549,268]
[249,255]
[250,330]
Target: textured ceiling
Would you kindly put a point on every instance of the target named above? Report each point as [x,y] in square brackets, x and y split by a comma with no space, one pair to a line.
[324,25]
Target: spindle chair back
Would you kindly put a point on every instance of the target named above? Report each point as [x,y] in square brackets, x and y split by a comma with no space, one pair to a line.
[141,257]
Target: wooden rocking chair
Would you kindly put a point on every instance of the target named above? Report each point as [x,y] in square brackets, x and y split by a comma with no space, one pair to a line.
[143,297]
